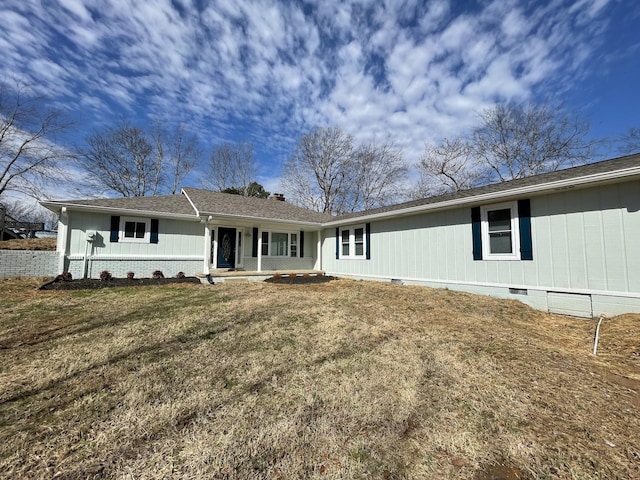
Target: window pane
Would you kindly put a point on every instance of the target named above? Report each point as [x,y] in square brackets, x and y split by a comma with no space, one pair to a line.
[359,240]
[279,244]
[294,245]
[265,243]
[500,242]
[345,242]
[140,229]
[129,229]
[499,220]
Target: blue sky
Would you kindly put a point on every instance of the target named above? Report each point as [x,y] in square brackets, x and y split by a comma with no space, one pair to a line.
[269,71]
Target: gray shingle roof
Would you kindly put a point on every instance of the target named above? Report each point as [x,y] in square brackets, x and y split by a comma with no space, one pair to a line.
[216,203]
[631,161]
[170,204]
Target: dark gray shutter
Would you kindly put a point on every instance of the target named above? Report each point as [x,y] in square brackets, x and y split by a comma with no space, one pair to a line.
[337,243]
[477,233]
[524,216]
[301,248]
[115,228]
[254,246]
[153,238]
[368,240]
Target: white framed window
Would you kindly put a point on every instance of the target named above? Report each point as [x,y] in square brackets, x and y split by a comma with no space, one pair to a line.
[353,242]
[500,236]
[135,230]
[279,244]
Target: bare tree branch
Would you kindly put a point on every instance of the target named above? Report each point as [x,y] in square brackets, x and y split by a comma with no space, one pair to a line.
[122,160]
[29,154]
[328,173]
[630,142]
[513,141]
[230,166]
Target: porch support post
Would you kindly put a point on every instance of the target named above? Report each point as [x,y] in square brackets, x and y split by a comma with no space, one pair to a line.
[318,265]
[259,249]
[207,249]
[63,232]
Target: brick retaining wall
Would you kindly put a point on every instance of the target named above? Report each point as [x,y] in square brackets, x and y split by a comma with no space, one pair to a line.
[28,263]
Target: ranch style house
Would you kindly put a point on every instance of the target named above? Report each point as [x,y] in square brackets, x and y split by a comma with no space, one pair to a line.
[566,241]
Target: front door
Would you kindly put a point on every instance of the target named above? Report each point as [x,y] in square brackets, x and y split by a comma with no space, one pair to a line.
[226,247]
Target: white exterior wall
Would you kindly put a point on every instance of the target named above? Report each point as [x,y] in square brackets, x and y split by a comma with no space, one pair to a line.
[585,242]
[179,248]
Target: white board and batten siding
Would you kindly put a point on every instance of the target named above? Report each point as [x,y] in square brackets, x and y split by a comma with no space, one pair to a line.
[586,253]
[179,247]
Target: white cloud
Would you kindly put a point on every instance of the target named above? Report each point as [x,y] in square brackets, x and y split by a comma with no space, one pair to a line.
[268,70]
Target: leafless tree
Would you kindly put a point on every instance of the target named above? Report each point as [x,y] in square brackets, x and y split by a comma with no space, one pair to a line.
[517,141]
[630,142]
[123,159]
[178,152]
[330,174]
[30,151]
[231,166]
[447,167]
[318,173]
[380,171]
[512,141]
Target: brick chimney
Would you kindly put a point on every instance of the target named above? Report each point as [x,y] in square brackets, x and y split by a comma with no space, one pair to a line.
[278,196]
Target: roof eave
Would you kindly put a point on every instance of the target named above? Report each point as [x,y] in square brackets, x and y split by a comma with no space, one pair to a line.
[57,206]
[597,178]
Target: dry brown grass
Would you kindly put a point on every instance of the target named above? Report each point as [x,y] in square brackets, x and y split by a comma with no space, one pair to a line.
[337,380]
[29,244]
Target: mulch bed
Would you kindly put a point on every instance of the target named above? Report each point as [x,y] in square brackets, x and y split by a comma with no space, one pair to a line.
[299,279]
[89,283]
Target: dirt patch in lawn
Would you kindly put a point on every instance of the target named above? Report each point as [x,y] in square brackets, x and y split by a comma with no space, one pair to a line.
[92,284]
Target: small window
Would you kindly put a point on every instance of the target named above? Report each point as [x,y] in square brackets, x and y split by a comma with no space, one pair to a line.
[265,244]
[134,230]
[499,232]
[353,242]
[293,247]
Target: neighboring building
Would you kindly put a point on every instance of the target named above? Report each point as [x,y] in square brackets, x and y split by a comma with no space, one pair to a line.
[566,241]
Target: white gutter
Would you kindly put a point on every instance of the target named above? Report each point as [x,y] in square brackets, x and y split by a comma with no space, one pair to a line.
[617,175]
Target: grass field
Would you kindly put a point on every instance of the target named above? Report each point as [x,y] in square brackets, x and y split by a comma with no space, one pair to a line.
[338,380]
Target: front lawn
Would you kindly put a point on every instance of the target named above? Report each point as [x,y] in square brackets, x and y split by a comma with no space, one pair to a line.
[337,380]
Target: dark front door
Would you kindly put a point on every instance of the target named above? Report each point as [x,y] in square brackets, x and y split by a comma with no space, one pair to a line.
[226,248]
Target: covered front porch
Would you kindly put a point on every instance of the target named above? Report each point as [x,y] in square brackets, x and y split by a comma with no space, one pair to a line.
[235,249]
